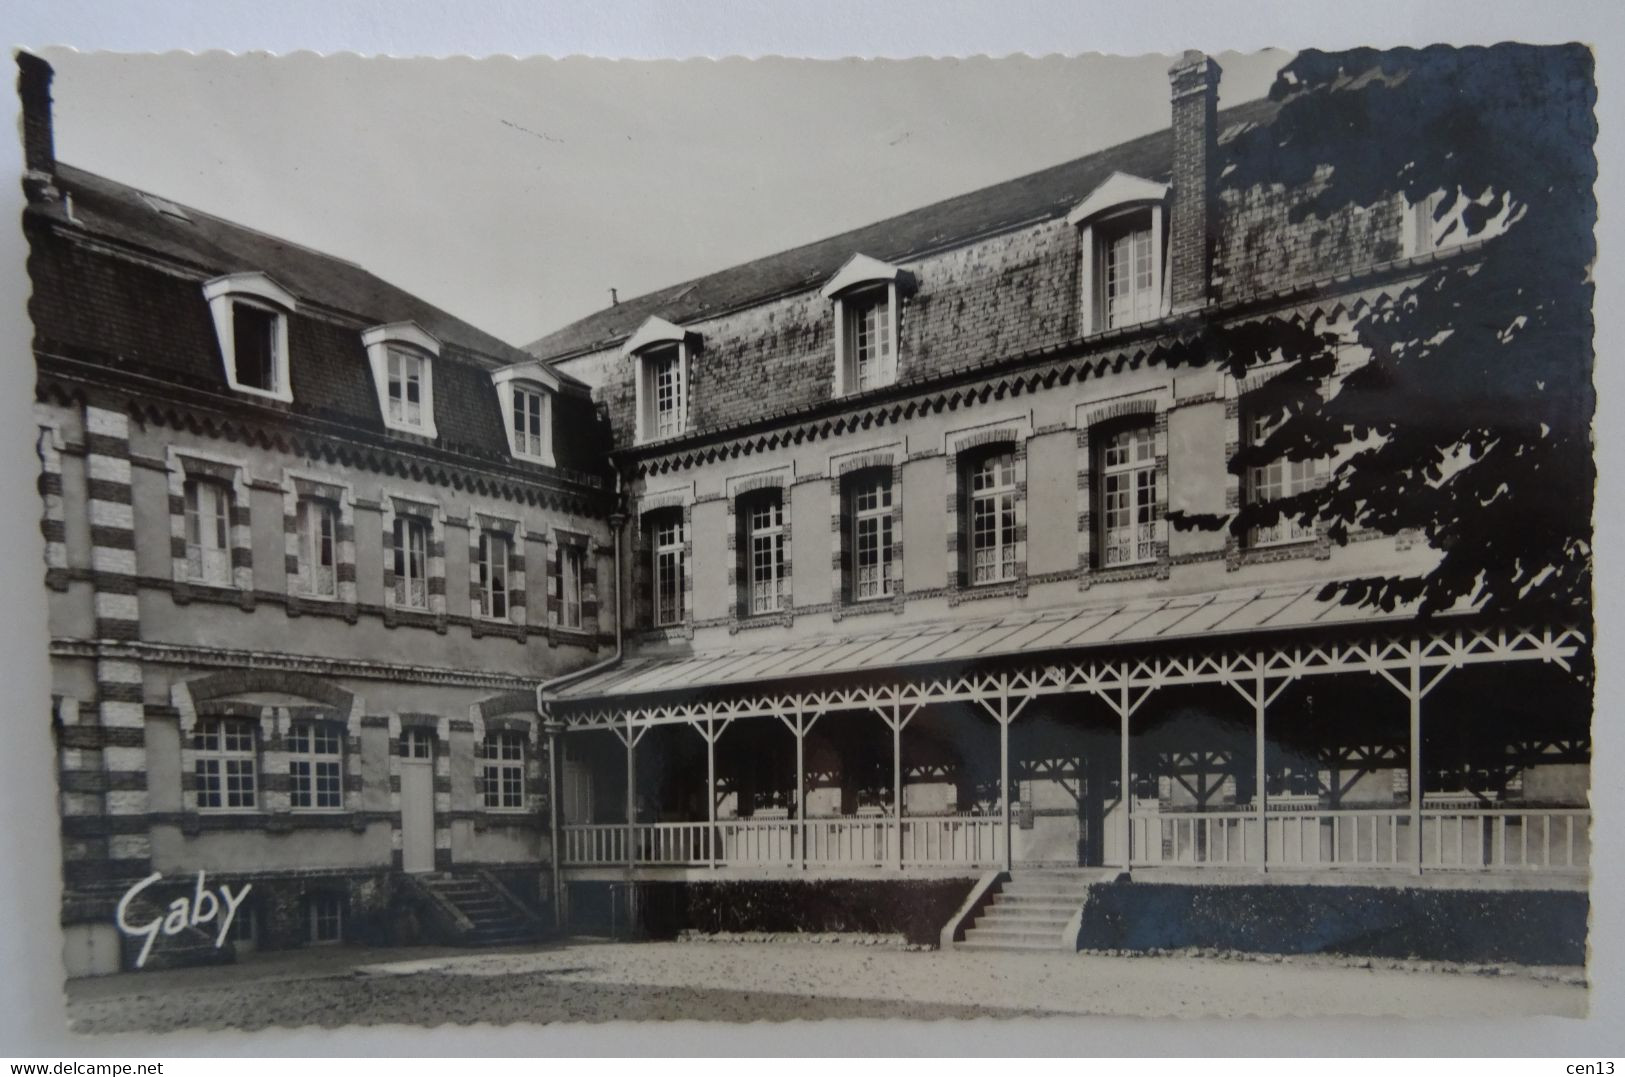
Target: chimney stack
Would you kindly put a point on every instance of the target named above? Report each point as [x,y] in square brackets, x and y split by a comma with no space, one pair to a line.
[1195,79]
[39,144]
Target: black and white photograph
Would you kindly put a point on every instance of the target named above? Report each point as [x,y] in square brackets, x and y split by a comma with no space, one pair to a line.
[545,541]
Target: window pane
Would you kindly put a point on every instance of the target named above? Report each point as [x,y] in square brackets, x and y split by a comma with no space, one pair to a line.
[1128,484]
[992,519]
[254,341]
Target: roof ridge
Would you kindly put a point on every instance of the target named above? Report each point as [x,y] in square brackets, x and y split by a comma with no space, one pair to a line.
[1245,112]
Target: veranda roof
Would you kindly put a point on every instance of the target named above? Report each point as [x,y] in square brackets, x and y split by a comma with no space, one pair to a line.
[871,649]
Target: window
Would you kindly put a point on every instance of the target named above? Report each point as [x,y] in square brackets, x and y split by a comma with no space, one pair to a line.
[208,532]
[503,771]
[315,766]
[494,552]
[407,375]
[765,576]
[870,500]
[326,924]
[250,313]
[865,294]
[411,562]
[1129,290]
[254,339]
[666,374]
[528,405]
[402,357]
[668,567]
[1127,466]
[226,764]
[660,352]
[417,744]
[1121,241]
[868,327]
[992,487]
[571,558]
[1277,479]
[318,548]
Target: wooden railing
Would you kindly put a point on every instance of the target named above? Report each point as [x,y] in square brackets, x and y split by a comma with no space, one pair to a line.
[970,841]
[1476,839]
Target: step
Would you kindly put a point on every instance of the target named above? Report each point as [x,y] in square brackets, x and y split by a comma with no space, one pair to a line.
[988,944]
[1046,922]
[1060,908]
[1002,931]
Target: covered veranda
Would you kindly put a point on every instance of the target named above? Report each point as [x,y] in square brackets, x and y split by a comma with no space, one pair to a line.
[1261,729]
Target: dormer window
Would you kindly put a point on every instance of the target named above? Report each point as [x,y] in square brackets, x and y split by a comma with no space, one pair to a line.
[407,374]
[402,358]
[661,351]
[1122,257]
[526,393]
[864,293]
[250,313]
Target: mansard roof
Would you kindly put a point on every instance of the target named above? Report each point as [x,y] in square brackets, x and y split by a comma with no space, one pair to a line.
[119,279]
[1041,196]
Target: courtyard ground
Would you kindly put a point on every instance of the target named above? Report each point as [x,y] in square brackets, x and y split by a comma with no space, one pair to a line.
[779,981]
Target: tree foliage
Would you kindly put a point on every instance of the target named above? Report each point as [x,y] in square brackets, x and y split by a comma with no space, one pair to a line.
[1471,422]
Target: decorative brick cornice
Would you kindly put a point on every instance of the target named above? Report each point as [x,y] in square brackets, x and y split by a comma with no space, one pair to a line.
[321,666]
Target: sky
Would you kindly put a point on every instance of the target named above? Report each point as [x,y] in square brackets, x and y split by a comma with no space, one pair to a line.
[517,193]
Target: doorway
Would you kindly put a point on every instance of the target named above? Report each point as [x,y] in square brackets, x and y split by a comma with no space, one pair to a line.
[417,800]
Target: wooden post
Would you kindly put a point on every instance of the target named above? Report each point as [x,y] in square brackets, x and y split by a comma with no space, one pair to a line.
[1415,696]
[1004,778]
[897,776]
[1258,769]
[711,792]
[801,785]
[555,766]
[631,799]
[1123,793]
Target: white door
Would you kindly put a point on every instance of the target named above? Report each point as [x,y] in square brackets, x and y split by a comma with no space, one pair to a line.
[417,800]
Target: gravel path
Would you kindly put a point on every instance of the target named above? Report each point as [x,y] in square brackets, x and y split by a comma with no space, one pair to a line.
[774,982]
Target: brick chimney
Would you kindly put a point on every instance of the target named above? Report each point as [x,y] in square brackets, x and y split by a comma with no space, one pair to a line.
[1195,79]
[39,144]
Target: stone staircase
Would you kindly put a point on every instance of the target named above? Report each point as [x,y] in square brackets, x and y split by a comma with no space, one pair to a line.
[491,915]
[1031,911]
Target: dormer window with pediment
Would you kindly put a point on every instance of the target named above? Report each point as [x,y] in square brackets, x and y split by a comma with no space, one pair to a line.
[526,392]
[250,313]
[1122,233]
[865,295]
[402,358]
[661,352]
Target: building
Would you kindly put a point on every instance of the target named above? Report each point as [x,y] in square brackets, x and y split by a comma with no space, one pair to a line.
[311,543]
[850,565]
[906,603]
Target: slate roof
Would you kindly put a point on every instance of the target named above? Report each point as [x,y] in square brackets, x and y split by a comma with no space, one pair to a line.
[1040,196]
[146,314]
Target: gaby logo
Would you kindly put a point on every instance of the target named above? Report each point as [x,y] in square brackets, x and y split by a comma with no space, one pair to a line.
[201,908]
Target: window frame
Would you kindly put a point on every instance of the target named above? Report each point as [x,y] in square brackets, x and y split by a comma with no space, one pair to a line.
[315,916]
[877,482]
[763,551]
[572,555]
[255,291]
[674,548]
[490,540]
[1004,494]
[656,340]
[406,525]
[403,367]
[1255,428]
[498,771]
[1140,473]
[223,757]
[198,569]
[1118,202]
[303,748]
[305,506]
[403,340]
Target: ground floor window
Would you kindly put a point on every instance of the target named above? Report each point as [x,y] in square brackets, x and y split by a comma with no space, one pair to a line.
[503,772]
[326,923]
